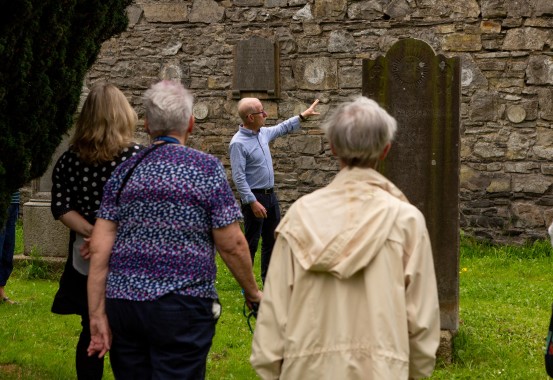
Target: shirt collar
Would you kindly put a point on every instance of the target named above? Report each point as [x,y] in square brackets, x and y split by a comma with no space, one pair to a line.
[246,131]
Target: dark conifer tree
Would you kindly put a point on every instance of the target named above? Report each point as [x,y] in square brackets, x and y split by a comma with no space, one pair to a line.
[46,48]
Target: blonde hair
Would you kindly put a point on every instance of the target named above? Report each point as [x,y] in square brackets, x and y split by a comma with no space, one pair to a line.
[105,126]
[359,130]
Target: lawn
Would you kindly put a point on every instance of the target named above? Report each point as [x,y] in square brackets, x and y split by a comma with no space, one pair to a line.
[504,311]
[505,308]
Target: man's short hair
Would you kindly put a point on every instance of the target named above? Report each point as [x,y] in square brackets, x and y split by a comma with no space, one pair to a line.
[246,106]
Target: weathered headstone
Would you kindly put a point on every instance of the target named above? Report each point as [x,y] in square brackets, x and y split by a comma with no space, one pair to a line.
[422,91]
[256,68]
[41,233]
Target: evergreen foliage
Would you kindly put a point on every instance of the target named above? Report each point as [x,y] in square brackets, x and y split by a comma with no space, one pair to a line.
[46,48]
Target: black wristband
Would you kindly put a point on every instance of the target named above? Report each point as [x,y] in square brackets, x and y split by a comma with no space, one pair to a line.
[302,118]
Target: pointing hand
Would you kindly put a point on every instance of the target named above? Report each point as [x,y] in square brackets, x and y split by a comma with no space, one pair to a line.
[311,110]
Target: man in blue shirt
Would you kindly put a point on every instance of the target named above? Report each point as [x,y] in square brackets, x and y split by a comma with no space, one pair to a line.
[253,174]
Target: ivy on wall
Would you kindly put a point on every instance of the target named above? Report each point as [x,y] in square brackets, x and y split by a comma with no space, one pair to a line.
[46,48]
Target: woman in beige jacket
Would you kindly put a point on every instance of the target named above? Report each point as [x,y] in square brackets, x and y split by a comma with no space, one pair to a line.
[351,290]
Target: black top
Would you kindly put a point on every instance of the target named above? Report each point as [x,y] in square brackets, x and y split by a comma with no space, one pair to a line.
[77,186]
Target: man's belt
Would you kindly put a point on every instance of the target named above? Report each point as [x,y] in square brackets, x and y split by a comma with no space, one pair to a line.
[263,191]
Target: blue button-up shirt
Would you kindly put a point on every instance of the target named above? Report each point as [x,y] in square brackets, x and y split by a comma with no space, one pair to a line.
[250,157]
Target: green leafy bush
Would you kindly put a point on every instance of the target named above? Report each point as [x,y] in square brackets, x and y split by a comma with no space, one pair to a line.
[46,48]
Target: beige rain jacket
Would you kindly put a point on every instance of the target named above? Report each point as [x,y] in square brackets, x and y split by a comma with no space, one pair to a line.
[351,290]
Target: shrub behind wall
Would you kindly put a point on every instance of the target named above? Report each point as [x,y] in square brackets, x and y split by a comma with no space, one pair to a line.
[46,48]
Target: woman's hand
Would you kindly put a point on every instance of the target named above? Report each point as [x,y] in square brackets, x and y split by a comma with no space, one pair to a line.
[84,249]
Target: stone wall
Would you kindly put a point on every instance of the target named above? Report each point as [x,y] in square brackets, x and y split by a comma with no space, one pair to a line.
[506,50]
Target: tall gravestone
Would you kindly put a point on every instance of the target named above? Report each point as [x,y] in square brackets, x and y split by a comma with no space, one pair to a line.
[422,91]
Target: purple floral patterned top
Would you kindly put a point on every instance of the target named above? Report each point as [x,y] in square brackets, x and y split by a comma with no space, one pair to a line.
[167,210]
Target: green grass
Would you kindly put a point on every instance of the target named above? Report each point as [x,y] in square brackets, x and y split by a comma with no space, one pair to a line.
[37,344]
[505,305]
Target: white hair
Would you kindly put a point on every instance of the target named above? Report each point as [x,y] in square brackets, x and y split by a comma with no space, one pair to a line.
[168,107]
[359,131]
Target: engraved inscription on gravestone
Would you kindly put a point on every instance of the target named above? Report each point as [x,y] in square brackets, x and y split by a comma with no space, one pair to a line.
[256,68]
[422,91]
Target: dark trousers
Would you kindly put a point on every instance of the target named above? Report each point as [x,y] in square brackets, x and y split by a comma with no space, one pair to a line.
[168,338]
[88,367]
[7,244]
[254,228]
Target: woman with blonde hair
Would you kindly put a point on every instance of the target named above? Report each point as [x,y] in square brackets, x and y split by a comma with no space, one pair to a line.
[103,139]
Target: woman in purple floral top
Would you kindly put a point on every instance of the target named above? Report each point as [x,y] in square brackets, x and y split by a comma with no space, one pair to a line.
[101,141]
[163,215]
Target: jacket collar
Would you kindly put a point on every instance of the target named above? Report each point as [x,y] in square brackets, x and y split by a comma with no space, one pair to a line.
[369,176]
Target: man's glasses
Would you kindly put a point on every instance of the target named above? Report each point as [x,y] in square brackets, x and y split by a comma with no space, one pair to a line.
[260,112]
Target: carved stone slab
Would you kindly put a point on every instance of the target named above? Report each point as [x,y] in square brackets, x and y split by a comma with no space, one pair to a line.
[256,68]
[422,91]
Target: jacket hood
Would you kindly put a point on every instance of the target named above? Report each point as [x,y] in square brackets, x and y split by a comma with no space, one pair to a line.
[339,229]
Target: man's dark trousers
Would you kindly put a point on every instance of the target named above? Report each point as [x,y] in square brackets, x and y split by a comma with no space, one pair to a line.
[262,227]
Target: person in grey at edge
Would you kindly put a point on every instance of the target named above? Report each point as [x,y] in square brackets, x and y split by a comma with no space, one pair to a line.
[7,247]
[351,291]
[253,175]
